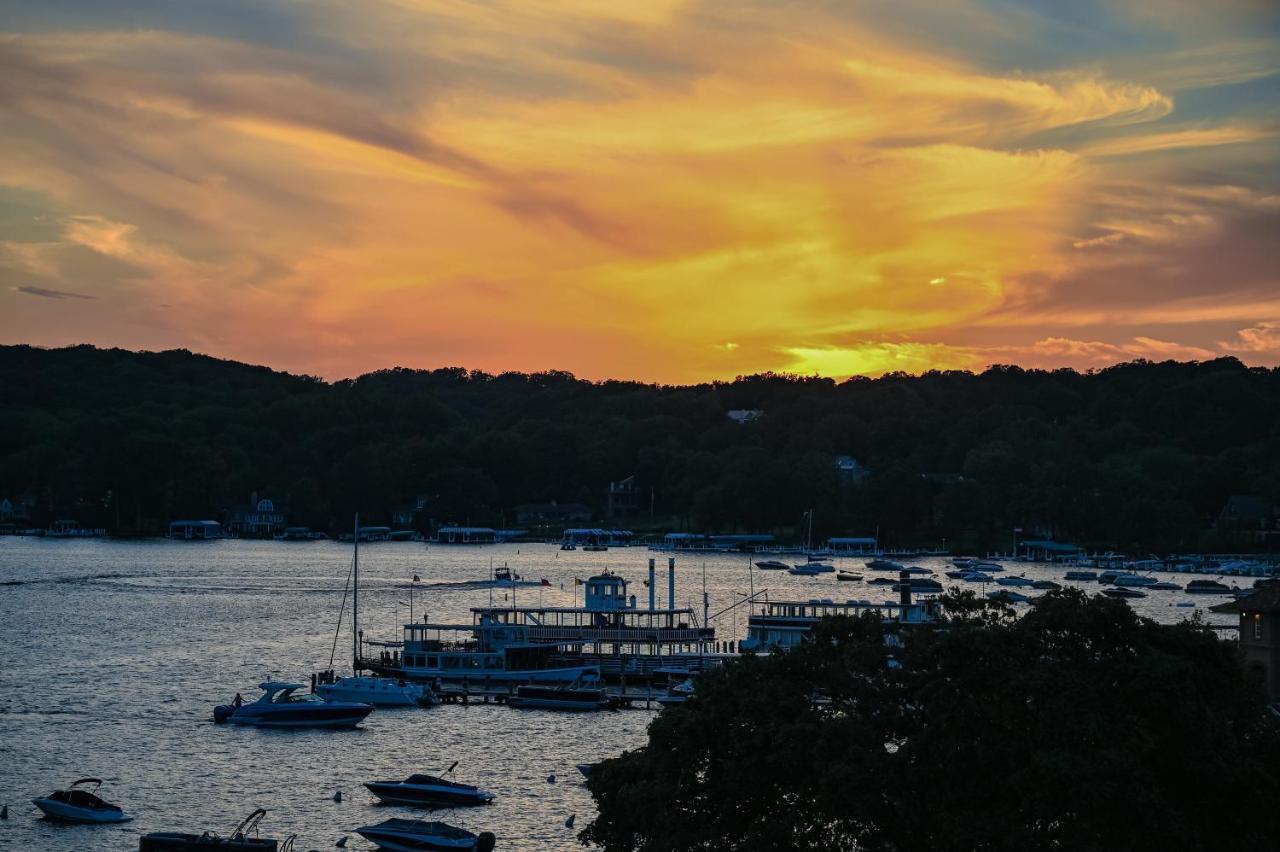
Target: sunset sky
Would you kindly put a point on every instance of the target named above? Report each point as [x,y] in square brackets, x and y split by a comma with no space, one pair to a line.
[668,191]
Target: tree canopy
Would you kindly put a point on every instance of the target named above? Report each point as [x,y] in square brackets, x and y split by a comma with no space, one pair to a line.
[1079,726]
[1141,455]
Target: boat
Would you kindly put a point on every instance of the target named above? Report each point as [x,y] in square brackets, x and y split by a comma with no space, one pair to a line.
[847,576]
[916,570]
[80,803]
[1019,580]
[595,548]
[977,577]
[985,565]
[585,769]
[958,573]
[677,693]
[963,562]
[1165,586]
[1124,592]
[567,697]
[410,835]
[1045,584]
[772,565]
[920,586]
[1185,604]
[1134,580]
[568,545]
[1207,587]
[281,707]
[813,568]
[883,581]
[804,571]
[1081,575]
[378,691]
[239,841]
[432,791]
[884,565]
[1007,596]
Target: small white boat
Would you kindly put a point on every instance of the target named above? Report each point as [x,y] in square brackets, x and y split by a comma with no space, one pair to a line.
[80,803]
[378,691]
[410,835]
[678,693]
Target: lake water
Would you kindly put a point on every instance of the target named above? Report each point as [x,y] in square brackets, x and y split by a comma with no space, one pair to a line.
[114,654]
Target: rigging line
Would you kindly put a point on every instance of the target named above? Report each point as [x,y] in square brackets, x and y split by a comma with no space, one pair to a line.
[341,612]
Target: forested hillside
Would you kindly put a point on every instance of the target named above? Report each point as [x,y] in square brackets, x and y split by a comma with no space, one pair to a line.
[1141,455]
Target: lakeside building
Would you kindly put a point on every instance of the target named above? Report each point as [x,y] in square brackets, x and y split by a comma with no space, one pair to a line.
[853,545]
[597,537]
[1260,635]
[257,519]
[466,535]
[196,530]
[623,498]
[1046,550]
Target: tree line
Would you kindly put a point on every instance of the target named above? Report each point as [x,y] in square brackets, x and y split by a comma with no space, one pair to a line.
[1140,456]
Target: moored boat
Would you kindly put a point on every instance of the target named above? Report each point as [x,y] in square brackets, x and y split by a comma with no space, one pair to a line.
[884,565]
[1008,596]
[281,707]
[848,576]
[569,697]
[1124,592]
[1015,581]
[378,691]
[80,803]
[432,791]
[1090,576]
[239,841]
[409,835]
[1207,587]
[772,565]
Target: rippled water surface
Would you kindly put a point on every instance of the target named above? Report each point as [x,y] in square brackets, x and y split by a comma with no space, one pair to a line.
[114,654]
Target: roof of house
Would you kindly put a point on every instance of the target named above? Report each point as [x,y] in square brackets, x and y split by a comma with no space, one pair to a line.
[1263,599]
[1245,507]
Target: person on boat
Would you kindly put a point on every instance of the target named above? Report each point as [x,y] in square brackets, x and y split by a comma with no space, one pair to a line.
[238,701]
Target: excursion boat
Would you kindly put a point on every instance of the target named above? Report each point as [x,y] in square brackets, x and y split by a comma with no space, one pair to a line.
[280,707]
[80,803]
[410,835]
[1207,587]
[431,791]
[772,565]
[884,565]
[239,841]
[378,691]
[1124,592]
[569,697]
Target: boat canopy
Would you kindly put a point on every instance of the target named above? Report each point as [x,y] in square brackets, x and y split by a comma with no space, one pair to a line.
[277,685]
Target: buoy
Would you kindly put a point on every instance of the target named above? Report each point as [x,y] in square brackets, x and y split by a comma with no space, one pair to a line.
[337,797]
[417,579]
[4,812]
[551,779]
[569,822]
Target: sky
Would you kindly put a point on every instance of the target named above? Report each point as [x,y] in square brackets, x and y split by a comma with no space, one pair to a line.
[666,191]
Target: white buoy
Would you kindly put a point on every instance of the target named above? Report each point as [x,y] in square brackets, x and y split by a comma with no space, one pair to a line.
[569,822]
[337,797]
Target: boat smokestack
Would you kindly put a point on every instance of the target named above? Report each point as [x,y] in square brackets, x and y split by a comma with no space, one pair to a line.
[904,588]
[671,582]
[652,591]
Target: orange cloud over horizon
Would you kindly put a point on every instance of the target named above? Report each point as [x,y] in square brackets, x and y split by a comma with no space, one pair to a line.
[674,193]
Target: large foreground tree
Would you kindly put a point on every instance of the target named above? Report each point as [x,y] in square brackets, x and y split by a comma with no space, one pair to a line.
[1077,727]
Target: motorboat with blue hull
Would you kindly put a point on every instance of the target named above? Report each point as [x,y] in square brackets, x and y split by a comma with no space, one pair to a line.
[409,835]
[430,791]
[239,840]
[80,803]
[281,707]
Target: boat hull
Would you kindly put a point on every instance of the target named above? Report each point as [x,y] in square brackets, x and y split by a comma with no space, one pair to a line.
[316,716]
[64,812]
[558,704]
[398,794]
[173,841]
[394,842]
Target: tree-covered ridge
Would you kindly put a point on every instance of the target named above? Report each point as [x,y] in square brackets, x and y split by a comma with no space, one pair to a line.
[1137,455]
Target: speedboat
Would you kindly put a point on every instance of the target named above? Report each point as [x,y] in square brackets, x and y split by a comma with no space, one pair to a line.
[772,565]
[813,568]
[804,571]
[1124,592]
[279,707]
[568,697]
[1165,586]
[848,576]
[432,791]
[1134,580]
[409,835]
[884,565]
[378,691]
[80,803]
[976,577]
[239,841]
[1207,587]
[1015,581]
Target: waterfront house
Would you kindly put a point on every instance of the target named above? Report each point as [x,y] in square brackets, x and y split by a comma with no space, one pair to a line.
[1260,635]
[552,513]
[622,498]
[256,519]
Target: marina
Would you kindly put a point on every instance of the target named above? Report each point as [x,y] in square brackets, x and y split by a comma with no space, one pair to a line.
[290,593]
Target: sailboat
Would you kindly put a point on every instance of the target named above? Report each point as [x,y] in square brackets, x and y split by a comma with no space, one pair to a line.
[378,691]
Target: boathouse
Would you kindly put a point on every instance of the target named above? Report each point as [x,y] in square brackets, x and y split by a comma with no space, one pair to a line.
[466,535]
[852,544]
[1260,635]
[195,530]
[1045,550]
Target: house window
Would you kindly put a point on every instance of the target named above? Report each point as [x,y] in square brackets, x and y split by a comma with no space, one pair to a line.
[1257,625]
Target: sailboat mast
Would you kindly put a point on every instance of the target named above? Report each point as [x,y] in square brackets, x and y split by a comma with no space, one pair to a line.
[355,602]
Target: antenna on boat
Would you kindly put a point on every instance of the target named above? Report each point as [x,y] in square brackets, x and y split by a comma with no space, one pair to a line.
[452,767]
[355,600]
